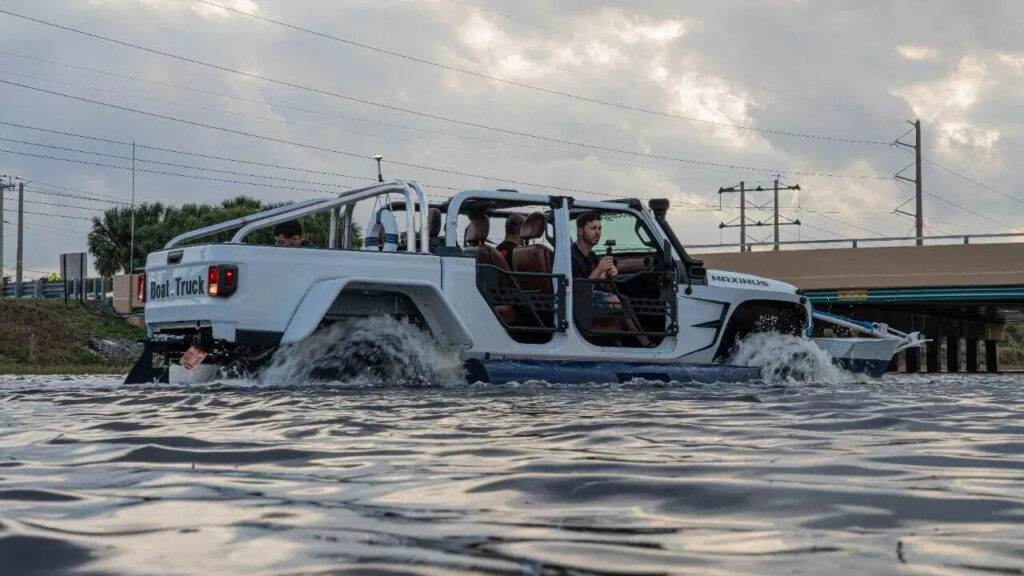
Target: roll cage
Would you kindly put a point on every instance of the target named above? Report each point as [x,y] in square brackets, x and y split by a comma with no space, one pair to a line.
[340,208]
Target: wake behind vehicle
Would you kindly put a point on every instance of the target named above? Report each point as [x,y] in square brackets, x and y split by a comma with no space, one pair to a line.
[231,305]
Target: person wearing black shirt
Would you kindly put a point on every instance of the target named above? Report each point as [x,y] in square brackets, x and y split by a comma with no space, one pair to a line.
[513,237]
[586,264]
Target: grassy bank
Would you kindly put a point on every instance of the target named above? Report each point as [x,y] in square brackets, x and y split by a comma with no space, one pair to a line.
[51,337]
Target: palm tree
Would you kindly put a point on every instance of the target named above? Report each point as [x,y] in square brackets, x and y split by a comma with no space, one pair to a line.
[156,224]
[110,238]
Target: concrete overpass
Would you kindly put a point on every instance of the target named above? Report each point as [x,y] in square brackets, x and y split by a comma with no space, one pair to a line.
[957,294]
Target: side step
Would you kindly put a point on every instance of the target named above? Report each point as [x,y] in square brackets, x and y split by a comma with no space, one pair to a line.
[573,372]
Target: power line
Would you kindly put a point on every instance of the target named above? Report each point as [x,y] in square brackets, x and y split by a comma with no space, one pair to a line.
[823,215]
[968,210]
[197,154]
[60,216]
[65,195]
[292,143]
[30,225]
[58,205]
[501,143]
[257,102]
[844,222]
[534,87]
[400,109]
[48,185]
[175,165]
[161,172]
[973,181]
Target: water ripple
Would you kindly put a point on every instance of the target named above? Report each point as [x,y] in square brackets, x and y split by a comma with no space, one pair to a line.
[909,474]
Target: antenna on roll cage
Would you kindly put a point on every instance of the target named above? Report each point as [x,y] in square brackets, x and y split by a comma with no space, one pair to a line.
[378,158]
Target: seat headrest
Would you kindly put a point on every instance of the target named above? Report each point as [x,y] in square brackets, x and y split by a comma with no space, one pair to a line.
[434,222]
[533,226]
[477,230]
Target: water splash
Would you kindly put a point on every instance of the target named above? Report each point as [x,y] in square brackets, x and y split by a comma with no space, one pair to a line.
[785,358]
[368,351]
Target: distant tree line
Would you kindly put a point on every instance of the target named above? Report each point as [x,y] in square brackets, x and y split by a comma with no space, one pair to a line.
[156,223]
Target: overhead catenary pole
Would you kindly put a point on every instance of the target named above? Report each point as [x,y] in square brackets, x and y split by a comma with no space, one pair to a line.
[21,238]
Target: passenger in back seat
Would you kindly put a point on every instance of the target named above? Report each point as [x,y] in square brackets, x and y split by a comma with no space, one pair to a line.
[513,238]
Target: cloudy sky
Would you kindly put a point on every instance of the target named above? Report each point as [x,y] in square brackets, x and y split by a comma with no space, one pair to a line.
[650,98]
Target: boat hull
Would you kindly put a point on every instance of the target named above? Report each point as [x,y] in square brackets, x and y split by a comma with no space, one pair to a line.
[870,356]
[580,372]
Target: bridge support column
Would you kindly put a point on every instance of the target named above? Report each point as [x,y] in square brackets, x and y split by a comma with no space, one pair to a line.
[932,354]
[912,358]
[894,364]
[972,355]
[952,354]
[991,356]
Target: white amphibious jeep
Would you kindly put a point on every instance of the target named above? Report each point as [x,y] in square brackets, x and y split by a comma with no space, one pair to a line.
[234,303]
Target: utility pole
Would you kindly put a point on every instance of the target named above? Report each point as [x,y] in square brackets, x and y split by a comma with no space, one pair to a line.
[917,179]
[743,216]
[21,237]
[742,225]
[131,243]
[775,215]
[775,204]
[742,212]
[2,188]
[918,186]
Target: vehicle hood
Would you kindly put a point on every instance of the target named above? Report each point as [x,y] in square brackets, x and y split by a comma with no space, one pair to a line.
[726,279]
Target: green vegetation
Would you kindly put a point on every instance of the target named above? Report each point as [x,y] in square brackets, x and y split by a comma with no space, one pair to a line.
[49,336]
[156,223]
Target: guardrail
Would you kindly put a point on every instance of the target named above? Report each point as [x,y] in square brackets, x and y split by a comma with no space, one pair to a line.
[77,289]
[854,242]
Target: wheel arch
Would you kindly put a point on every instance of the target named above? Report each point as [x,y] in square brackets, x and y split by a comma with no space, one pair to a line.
[431,304]
[755,315]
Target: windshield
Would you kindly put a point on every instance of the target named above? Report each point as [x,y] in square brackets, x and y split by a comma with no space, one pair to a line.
[626,230]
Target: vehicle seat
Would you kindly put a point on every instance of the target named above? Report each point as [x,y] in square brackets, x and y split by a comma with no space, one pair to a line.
[433,232]
[434,229]
[475,240]
[534,257]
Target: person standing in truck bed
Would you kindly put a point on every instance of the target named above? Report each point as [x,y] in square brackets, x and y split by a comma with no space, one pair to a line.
[289,233]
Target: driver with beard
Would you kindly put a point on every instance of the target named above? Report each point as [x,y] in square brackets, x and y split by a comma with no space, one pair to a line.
[586,264]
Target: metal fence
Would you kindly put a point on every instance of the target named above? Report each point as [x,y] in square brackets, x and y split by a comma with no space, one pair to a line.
[856,242]
[78,289]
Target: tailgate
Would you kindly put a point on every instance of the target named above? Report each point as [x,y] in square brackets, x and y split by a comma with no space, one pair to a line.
[178,274]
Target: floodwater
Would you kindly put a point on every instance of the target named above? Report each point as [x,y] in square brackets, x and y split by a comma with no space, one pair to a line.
[917,475]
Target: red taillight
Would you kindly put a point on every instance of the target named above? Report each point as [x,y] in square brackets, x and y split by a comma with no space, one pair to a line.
[222,280]
[213,284]
[140,289]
